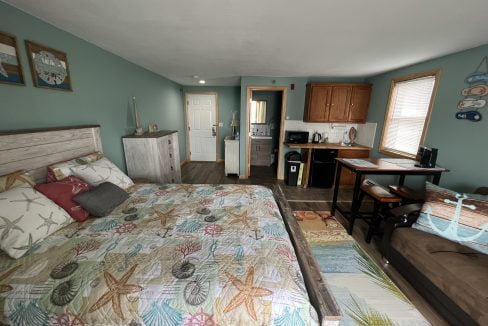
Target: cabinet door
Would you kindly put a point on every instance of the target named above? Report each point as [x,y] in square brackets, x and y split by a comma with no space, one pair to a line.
[318,104]
[339,103]
[358,110]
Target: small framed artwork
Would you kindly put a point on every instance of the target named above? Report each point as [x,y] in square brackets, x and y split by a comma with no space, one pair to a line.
[10,66]
[49,67]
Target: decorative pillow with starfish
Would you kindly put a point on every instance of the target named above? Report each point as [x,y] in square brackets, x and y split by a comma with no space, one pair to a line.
[16,179]
[101,171]
[61,170]
[26,218]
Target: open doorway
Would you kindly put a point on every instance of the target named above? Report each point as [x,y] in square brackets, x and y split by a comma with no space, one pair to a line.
[266,111]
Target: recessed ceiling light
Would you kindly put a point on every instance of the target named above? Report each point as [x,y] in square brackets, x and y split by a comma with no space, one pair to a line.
[201,81]
[195,76]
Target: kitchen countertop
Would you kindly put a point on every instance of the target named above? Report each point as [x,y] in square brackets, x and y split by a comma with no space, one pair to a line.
[328,146]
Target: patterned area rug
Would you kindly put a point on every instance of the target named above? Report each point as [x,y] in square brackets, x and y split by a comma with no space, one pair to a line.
[364,293]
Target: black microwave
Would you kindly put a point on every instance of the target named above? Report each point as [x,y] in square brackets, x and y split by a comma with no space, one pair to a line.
[296,137]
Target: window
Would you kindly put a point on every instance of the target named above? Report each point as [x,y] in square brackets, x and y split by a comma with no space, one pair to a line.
[408,114]
[258,112]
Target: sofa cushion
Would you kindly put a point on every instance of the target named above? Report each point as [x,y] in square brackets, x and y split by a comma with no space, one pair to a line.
[458,271]
[462,218]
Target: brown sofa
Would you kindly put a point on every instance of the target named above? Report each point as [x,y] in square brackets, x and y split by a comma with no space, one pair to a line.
[452,277]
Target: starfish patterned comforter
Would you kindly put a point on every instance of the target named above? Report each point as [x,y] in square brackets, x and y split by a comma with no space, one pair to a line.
[170,255]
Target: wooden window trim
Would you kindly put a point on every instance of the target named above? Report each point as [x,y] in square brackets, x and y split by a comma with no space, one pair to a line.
[389,111]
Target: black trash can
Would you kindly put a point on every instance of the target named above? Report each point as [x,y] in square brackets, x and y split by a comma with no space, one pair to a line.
[292,168]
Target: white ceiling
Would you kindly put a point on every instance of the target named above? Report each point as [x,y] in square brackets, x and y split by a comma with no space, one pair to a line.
[221,40]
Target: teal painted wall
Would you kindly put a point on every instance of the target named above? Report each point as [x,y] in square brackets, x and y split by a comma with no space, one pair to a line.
[228,102]
[103,85]
[294,105]
[462,144]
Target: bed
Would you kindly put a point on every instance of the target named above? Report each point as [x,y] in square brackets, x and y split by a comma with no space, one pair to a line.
[169,255]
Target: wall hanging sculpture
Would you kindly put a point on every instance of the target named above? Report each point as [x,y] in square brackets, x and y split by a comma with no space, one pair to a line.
[10,66]
[49,67]
[475,94]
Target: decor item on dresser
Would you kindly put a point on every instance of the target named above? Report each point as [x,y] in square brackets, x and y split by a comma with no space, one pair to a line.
[337,102]
[101,171]
[10,66]
[49,67]
[234,123]
[139,131]
[62,193]
[231,155]
[154,157]
[153,127]
[27,218]
[16,179]
[102,199]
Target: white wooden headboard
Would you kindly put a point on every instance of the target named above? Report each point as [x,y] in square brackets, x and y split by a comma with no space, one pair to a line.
[34,149]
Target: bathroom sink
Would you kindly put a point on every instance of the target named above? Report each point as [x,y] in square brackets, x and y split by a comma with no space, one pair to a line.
[260,137]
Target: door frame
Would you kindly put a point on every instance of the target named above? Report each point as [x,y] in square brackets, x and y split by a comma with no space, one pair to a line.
[217,122]
[250,89]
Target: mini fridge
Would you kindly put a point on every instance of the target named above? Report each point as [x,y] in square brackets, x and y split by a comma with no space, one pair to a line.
[323,167]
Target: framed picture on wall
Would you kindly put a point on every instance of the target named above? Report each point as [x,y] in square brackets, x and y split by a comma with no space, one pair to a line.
[49,67]
[10,66]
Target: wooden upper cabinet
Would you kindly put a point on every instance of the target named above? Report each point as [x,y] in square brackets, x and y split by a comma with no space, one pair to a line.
[358,110]
[319,98]
[337,102]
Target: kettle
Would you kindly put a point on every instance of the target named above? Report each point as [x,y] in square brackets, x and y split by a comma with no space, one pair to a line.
[316,137]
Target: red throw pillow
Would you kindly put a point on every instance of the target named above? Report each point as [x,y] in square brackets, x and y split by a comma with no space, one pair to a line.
[62,193]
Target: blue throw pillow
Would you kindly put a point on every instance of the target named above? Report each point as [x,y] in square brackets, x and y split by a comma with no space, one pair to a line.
[462,218]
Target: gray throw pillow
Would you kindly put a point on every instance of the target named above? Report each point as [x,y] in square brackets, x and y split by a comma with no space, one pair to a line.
[101,200]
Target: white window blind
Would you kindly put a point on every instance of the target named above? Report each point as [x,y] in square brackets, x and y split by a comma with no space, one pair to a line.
[407,113]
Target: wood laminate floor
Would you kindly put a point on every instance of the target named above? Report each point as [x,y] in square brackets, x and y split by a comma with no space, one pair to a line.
[310,199]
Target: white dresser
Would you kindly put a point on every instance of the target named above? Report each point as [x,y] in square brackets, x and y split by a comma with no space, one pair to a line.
[231,156]
[154,157]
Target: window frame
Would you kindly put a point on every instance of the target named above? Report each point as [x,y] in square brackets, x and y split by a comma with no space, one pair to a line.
[389,111]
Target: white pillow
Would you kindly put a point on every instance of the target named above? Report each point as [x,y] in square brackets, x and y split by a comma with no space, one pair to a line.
[102,171]
[26,218]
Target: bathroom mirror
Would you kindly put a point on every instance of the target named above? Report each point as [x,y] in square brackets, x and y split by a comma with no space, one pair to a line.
[258,112]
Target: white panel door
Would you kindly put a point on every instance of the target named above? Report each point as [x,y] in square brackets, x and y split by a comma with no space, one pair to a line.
[202,127]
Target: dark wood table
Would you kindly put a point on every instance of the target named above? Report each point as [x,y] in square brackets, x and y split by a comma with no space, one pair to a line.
[377,166]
